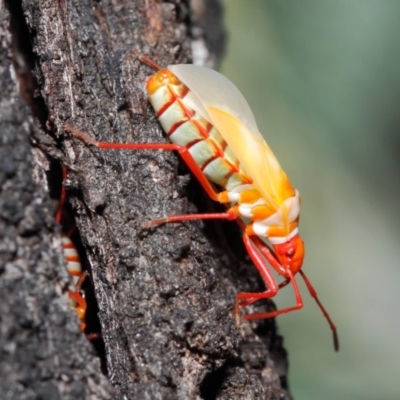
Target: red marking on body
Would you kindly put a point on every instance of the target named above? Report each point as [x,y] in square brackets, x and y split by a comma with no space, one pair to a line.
[192,143]
[210,160]
[217,148]
[165,107]
[185,91]
[174,90]
[209,126]
[219,154]
[229,175]
[223,145]
[232,167]
[174,127]
[202,130]
[75,273]
[189,113]
[73,258]
[174,98]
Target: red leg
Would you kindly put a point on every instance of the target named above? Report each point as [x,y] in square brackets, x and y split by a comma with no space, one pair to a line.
[271,314]
[199,174]
[269,255]
[183,151]
[313,294]
[265,251]
[245,299]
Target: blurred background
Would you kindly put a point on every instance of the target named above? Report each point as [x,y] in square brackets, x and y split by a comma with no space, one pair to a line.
[323,80]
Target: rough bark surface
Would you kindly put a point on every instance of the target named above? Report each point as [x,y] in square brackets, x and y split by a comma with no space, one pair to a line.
[42,353]
[164,295]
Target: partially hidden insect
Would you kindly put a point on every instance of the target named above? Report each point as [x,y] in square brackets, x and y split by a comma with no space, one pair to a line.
[212,127]
[74,266]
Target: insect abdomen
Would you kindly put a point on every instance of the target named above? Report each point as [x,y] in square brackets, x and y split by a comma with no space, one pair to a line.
[71,255]
[187,128]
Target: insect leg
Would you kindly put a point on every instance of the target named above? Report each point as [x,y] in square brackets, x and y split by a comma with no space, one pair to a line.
[268,254]
[244,299]
[183,151]
[271,314]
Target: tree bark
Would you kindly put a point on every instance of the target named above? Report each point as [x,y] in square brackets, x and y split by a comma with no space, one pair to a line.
[164,295]
[43,354]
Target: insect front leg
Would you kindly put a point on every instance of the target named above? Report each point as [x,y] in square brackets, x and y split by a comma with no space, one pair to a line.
[183,151]
[244,299]
[267,253]
[259,253]
[187,158]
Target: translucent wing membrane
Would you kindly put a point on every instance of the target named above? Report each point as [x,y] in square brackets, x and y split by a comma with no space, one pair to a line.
[219,101]
[213,89]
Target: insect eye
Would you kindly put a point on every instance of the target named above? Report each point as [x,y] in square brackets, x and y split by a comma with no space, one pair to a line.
[290,253]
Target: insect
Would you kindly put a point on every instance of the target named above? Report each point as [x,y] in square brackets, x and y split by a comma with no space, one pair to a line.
[212,127]
[74,266]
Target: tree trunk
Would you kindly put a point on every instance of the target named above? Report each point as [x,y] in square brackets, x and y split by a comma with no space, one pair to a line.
[164,295]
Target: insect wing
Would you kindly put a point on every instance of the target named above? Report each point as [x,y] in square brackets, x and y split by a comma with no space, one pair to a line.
[213,89]
[256,156]
[219,101]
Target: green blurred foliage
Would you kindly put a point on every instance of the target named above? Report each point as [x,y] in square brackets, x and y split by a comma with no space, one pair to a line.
[323,80]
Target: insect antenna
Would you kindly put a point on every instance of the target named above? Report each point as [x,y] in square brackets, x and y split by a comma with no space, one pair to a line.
[313,294]
[146,60]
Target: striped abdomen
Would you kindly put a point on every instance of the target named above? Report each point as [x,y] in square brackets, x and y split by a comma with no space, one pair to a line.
[74,266]
[187,128]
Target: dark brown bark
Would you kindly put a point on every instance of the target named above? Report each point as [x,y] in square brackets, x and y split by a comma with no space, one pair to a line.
[43,354]
[165,295]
